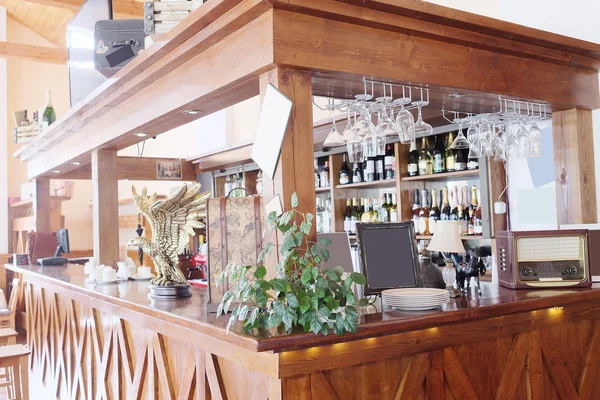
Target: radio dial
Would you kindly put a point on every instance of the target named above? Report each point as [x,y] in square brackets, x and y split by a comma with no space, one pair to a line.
[527,271]
[571,270]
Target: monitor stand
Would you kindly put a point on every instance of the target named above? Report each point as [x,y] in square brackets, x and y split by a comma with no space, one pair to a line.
[52,261]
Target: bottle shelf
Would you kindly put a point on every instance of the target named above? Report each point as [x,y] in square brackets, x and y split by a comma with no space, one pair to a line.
[472,237]
[387,183]
[322,189]
[442,176]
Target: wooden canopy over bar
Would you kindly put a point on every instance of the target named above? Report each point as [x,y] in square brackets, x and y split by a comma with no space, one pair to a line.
[214,58]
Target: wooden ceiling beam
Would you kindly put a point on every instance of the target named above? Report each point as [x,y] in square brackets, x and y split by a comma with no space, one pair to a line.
[71,5]
[33,53]
[122,9]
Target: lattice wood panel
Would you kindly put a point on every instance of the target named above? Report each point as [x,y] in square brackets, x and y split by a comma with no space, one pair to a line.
[79,352]
[562,362]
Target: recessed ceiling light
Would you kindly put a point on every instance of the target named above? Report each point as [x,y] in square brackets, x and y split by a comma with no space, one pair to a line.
[126,180]
[56,171]
[192,112]
[76,163]
[456,95]
[140,134]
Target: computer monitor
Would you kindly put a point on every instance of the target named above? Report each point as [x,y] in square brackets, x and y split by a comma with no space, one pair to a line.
[389,256]
[62,239]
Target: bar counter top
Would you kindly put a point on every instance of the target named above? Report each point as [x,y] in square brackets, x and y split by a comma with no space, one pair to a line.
[191,312]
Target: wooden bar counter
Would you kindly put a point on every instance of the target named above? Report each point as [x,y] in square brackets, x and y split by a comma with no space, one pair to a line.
[109,341]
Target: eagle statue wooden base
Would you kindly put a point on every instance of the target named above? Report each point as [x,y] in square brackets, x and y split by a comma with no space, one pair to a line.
[172,221]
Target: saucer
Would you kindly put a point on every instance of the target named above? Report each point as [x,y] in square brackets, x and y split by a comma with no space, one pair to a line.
[103,282]
[142,278]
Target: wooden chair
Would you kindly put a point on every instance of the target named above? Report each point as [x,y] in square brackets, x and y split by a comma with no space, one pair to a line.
[7,315]
[13,359]
[8,337]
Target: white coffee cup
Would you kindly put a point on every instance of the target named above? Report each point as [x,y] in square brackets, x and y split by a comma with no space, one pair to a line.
[109,274]
[144,272]
[96,273]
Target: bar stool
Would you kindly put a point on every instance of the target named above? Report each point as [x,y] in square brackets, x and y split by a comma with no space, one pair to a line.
[13,358]
[8,337]
[7,315]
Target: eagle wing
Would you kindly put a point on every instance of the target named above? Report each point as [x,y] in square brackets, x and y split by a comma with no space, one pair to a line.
[173,220]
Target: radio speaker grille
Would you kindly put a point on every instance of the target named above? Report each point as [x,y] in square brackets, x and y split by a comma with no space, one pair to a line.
[549,248]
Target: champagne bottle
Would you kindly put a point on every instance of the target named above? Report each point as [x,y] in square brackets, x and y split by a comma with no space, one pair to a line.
[425,159]
[438,155]
[470,222]
[390,162]
[477,223]
[424,213]
[416,210]
[324,175]
[348,216]
[461,160]
[413,160]
[462,222]
[434,212]
[450,154]
[48,115]
[345,173]
[394,208]
[445,212]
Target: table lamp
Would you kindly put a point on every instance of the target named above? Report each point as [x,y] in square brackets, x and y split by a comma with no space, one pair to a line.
[446,239]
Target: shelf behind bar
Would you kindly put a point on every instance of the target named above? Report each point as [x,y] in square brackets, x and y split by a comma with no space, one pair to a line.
[387,183]
[442,176]
[472,237]
[322,189]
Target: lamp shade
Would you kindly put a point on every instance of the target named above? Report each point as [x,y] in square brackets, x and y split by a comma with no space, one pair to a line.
[446,238]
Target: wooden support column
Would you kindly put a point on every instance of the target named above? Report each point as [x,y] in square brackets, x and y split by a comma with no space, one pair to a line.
[105,207]
[295,167]
[574,167]
[41,205]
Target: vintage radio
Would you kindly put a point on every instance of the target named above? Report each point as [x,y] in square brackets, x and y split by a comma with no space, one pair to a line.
[543,259]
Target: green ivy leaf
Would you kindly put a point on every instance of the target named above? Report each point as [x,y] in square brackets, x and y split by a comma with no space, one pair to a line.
[244,312]
[314,250]
[363,302]
[288,318]
[253,315]
[325,329]
[280,285]
[305,227]
[316,324]
[309,217]
[350,299]
[324,241]
[265,285]
[322,283]
[348,282]
[292,300]
[339,271]
[351,311]
[358,278]
[331,274]
[266,250]
[324,311]
[338,327]
[294,200]
[314,302]
[298,238]
[315,272]
[306,275]
[320,292]
[304,304]
[324,253]
[260,272]
[285,218]
[261,299]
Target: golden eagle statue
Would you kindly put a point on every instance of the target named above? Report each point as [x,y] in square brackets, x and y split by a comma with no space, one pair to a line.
[172,221]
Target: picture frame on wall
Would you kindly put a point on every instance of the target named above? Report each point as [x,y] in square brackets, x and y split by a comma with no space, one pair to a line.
[169,170]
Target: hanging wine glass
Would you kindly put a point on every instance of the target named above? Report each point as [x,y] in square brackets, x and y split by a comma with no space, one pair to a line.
[363,125]
[333,138]
[405,122]
[355,151]
[474,139]
[486,135]
[499,144]
[421,127]
[535,140]
[349,135]
[523,140]
[461,141]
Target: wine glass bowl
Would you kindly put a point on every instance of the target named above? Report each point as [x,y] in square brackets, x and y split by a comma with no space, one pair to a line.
[421,127]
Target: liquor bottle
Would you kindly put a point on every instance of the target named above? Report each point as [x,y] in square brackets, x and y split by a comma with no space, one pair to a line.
[394,208]
[477,223]
[48,115]
[319,216]
[369,171]
[425,159]
[461,159]
[35,120]
[25,121]
[366,215]
[324,175]
[357,174]
[450,154]
[379,168]
[416,210]
[462,222]
[345,173]
[355,215]
[389,162]
[473,163]
[413,159]
[434,212]
[439,162]
[445,212]
[424,213]
[384,215]
[327,216]
[317,175]
[348,216]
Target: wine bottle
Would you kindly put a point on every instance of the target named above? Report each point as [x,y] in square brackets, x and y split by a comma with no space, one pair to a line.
[445,212]
[357,174]
[348,216]
[394,208]
[416,209]
[384,215]
[425,160]
[374,211]
[379,168]
[355,215]
[317,175]
[389,162]
[473,163]
[461,159]
[450,154]
[345,173]
[327,216]
[324,175]
[25,121]
[438,155]
[424,213]
[48,115]
[477,223]
[319,216]
[35,120]
[369,172]
[434,212]
[413,159]
[470,222]
[366,215]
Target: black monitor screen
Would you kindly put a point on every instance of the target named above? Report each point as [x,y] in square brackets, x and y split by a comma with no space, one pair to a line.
[389,256]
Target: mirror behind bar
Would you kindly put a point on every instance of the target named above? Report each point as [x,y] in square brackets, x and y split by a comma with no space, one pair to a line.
[389,256]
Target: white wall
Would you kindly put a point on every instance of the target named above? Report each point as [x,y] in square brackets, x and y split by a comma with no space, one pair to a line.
[578,19]
[3,144]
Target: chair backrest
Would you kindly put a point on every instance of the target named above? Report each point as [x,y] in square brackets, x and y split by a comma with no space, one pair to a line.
[12,303]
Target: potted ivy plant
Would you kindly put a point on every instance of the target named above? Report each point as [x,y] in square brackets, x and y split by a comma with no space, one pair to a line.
[302,294]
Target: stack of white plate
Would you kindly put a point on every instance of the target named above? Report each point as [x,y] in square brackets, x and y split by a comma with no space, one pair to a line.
[415,299]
